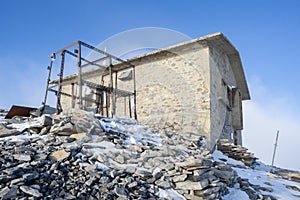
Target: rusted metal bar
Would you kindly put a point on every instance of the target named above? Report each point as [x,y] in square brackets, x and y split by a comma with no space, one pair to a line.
[94,62]
[134,92]
[107,104]
[105,53]
[112,98]
[125,113]
[66,47]
[58,103]
[110,92]
[85,60]
[69,95]
[119,92]
[73,95]
[47,85]
[115,91]
[99,101]
[130,115]
[79,80]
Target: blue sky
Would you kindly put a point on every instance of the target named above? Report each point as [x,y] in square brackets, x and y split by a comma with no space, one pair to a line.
[265,33]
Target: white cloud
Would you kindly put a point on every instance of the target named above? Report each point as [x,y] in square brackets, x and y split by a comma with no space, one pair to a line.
[263,116]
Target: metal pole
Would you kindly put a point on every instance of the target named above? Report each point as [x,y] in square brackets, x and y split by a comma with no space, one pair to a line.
[79,75]
[115,93]
[129,106]
[58,103]
[125,106]
[107,103]
[112,94]
[134,94]
[73,95]
[275,146]
[47,86]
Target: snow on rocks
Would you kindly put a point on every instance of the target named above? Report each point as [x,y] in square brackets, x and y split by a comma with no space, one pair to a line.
[75,155]
[131,129]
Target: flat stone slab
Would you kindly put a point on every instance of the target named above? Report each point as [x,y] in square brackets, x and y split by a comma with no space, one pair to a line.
[31,191]
[8,132]
[22,157]
[190,185]
[59,155]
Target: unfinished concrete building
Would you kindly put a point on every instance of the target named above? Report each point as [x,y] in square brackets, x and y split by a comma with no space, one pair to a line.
[198,86]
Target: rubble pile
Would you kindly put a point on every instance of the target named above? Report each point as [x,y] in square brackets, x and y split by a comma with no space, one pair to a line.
[237,152]
[75,155]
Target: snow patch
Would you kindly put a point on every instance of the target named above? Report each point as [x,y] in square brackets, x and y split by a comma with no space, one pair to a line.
[20,138]
[24,125]
[280,191]
[134,132]
[170,193]
[235,193]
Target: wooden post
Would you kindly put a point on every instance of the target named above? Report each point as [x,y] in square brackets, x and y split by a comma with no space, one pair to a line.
[275,146]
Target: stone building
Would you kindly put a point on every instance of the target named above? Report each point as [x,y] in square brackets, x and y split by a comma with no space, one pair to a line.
[197,86]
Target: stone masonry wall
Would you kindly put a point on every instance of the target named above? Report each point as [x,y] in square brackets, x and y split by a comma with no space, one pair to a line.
[221,76]
[173,88]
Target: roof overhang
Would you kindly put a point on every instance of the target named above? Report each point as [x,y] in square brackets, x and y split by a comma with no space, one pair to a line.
[213,40]
[217,40]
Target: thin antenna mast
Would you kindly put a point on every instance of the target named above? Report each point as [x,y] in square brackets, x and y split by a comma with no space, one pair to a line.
[275,147]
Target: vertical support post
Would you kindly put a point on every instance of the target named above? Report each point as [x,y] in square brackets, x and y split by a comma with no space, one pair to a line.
[125,113]
[134,93]
[275,147]
[129,102]
[47,86]
[58,95]
[97,102]
[101,104]
[107,104]
[112,93]
[73,95]
[79,76]
[115,93]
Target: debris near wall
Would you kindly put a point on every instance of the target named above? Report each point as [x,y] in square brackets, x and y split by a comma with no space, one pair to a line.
[237,152]
[75,155]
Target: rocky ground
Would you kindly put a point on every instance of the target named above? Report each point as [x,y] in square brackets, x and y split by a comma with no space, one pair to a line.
[75,155]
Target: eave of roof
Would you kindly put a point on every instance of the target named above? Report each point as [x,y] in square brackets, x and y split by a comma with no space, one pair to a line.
[220,41]
[214,40]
